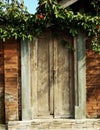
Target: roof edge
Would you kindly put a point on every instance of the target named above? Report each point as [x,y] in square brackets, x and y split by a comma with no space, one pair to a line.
[66,3]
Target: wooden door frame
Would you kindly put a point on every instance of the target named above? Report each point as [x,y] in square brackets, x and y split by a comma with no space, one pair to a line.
[79,78]
[25,81]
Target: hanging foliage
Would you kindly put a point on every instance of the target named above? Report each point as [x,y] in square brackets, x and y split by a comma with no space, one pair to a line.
[17,22]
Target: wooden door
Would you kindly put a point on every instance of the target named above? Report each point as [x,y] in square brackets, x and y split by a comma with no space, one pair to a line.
[51,78]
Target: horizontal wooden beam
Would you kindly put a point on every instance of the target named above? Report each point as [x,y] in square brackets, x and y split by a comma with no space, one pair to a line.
[66,3]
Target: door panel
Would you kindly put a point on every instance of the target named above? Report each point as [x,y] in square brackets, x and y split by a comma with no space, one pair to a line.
[40,77]
[51,72]
[62,80]
[43,77]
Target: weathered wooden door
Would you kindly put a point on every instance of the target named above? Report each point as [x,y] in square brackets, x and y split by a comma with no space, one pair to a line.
[51,78]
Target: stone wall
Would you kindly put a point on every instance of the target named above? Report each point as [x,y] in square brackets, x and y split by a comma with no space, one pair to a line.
[55,124]
[93,84]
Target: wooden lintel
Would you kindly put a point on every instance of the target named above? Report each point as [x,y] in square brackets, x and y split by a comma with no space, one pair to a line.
[66,3]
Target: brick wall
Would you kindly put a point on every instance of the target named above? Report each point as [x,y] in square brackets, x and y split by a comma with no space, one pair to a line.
[93,84]
[2,118]
[9,80]
[11,66]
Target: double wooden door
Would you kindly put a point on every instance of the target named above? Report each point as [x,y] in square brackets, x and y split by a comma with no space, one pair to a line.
[51,78]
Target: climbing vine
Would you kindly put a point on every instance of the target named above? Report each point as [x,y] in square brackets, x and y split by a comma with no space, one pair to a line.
[17,22]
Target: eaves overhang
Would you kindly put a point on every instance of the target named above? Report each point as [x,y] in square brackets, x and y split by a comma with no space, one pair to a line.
[66,3]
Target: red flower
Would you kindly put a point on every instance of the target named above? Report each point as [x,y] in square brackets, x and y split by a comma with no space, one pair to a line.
[40,16]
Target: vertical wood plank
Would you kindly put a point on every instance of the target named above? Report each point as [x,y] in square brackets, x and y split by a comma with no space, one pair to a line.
[25,76]
[11,79]
[34,78]
[76,92]
[56,91]
[80,110]
[62,81]
[40,79]
[43,76]
[51,71]
[71,78]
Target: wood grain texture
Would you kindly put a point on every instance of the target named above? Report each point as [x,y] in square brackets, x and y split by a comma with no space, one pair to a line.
[63,87]
[51,77]
[40,76]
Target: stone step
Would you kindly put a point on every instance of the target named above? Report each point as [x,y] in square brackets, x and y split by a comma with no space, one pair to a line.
[2,127]
[55,124]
